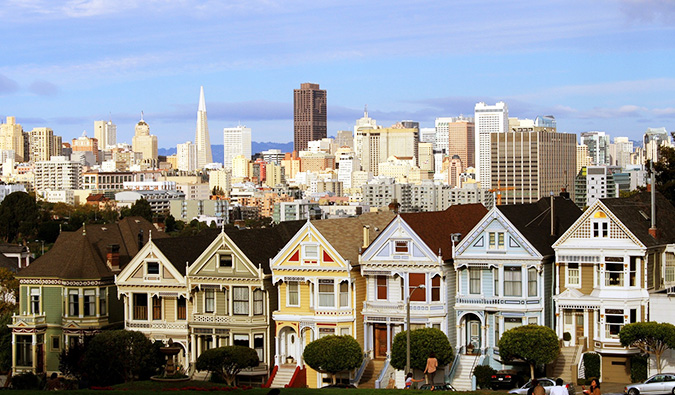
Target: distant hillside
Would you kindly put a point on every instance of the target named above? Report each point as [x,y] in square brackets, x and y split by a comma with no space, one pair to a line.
[217,150]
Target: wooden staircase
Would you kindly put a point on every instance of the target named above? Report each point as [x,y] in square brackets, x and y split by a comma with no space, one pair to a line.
[462,379]
[283,376]
[371,373]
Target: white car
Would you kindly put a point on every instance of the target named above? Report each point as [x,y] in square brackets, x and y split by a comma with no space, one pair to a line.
[663,383]
[546,383]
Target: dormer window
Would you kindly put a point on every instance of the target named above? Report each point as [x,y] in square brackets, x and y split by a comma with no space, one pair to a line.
[152,268]
[401,247]
[310,253]
[600,225]
[225,261]
[496,240]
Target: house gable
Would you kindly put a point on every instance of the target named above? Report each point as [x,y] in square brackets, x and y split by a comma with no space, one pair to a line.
[148,267]
[398,242]
[222,258]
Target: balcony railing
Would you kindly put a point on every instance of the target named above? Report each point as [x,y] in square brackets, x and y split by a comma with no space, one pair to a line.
[400,307]
[156,325]
[30,319]
[496,301]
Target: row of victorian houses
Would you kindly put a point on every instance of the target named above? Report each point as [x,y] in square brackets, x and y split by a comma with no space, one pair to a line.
[473,273]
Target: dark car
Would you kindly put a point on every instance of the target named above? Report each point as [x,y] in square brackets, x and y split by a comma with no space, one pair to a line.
[506,379]
[438,387]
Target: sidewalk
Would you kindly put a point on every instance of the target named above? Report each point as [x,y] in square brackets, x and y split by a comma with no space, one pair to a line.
[611,388]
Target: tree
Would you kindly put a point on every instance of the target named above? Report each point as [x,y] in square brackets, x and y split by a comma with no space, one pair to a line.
[651,338]
[333,354]
[534,344]
[227,361]
[169,223]
[9,290]
[141,208]
[423,342]
[118,356]
[5,342]
[664,170]
[18,217]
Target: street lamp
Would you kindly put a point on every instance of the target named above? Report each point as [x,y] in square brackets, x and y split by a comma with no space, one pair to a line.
[407,334]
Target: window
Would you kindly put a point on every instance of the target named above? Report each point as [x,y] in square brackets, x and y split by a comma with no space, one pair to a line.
[89,306]
[293,293]
[414,281]
[532,321]
[326,293]
[344,294]
[495,274]
[573,277]
[103,301]
[73,302]
[512,281]
[401,246]
[56,343]
[24,352]
[35,300]
[258,302]
[181,307]
[225,261]
[531,282]
[614,272]
[670,268]
[140,306]
[600,229]
[474,280]
[259,346]
[633,316]
[381,287]
[436,288]
[209,300]
[156,308]
[512,322]
[310,252]
[496,240]
[345,331]
[153,267]
[632,274]
[240,340]
[613,322]
[240,297]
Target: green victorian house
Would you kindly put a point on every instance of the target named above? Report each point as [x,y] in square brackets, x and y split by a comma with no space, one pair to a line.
[69,293]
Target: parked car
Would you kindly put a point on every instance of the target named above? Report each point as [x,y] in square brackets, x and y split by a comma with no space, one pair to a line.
[546,383]
[663,383]
[507,378]
[438,387]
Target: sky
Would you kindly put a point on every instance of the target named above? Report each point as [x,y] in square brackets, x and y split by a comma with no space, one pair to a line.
[595,65]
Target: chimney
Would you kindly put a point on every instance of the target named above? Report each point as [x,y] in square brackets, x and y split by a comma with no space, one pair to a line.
[113,257]
[366,236]
[140,239]
[564,194]
[394,206]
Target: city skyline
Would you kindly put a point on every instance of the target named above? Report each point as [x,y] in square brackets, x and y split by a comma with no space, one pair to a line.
[599,66]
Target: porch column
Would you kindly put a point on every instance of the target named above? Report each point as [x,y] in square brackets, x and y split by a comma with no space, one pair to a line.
[193,349]
[34,351]
[388,338]
[13,352]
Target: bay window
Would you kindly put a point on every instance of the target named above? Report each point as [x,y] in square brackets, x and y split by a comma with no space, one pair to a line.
[512,281]
[474,280]
[240,297]
[326,293]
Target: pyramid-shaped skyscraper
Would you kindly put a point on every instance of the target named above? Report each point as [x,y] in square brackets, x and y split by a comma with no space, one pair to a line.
[202,140]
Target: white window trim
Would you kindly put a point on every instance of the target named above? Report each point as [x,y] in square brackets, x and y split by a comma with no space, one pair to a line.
[303,253]
[204,302]
[152,277]
[599,223]
[225,268]
[567,275]
[407,244]
[496,247]
[288,294]
[480,280]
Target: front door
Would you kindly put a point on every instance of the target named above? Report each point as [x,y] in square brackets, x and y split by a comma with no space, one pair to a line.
[579,333]
[473,336]
[380,334]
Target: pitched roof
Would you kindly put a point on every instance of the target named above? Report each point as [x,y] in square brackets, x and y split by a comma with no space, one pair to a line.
[186,249]
[346,234]
[635,213]
[6,248]
[10,264]
[435,227]
[533,220]
[82,255]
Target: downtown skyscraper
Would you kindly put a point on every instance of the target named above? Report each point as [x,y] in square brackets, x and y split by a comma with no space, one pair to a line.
[488,119]
[202,140]
[309,115]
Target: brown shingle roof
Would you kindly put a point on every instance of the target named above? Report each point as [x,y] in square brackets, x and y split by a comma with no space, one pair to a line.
[346,234]
[435,227]
[635,213]
[260,245]
[81,255]
[182,250]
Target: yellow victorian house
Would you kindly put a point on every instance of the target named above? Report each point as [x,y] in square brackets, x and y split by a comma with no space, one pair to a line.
[320,290]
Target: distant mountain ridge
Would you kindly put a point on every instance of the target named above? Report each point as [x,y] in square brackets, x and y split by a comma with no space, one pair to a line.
[218,151]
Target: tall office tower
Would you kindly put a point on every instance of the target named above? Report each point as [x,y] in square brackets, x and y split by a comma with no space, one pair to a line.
[236,142]
[202,140]
[455,168]
[425,161]
[143,141]
[349,164]
[273,156]
[582,157]
[620,152]
[531,165]
[598,147]
[461,136]
[44,144]
[376,145]
[86,144]
[11,138]
[344,139]
[105,133]
[653,139]
[546,121]
[186,156]
[363,124]
[488,120]
[309,115]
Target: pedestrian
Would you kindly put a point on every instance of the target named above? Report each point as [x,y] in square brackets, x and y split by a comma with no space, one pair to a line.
[595,387]
[430,370]
[409,380]
[536,388]
[558,388]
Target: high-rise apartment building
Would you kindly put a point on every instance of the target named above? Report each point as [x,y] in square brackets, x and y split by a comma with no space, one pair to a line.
[349,163]
[532,164]
[309,115]
[376,145]
[598,147]
[236,142]
[57,174]
[620,152]
[488,119]
[11,138]
[582,157]
[144,142]
[105,133]
[86,144]
[44,144]
[202,140]
[186,156]
[593,183]
[455,136]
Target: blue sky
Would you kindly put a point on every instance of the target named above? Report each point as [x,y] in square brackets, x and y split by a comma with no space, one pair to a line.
[594,65]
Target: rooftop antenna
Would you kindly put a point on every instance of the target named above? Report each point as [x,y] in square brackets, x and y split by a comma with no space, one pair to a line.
[141,115]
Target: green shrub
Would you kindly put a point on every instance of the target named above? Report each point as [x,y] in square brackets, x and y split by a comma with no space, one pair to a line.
[26,381]
[567,336]
[591,365]
[483,375]
[638,368]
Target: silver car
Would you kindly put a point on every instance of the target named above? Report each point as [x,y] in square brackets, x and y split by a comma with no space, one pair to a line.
[662,383]
[546,383]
